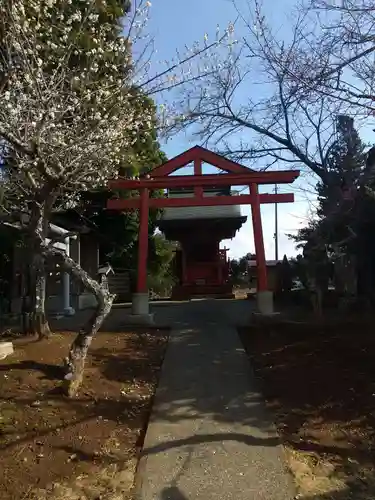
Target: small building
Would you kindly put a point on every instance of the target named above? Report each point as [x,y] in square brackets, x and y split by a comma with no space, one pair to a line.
[63,294]
[85,249]
[202,268]
[272,274]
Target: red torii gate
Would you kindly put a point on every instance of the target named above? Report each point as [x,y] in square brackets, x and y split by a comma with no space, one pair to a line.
[236,175]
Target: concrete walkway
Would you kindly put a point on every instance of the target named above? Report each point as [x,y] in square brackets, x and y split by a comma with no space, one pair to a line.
[209,437]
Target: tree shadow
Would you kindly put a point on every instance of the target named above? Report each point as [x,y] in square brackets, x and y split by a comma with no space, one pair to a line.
[219,437]
[346,454]
[172,493]
[51,372]
[219,386]
[225,391]
[133,367]
[319,381]
[323,372]
[122,367]
[355,489]
[103,409]
[80,455]
[58,437]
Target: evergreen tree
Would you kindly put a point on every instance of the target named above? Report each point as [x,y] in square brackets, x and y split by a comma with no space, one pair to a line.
[339,226]
[345,164]
[338,195]
[161,270]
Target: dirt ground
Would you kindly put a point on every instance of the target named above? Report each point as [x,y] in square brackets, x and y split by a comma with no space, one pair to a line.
[85,448]
[319,380]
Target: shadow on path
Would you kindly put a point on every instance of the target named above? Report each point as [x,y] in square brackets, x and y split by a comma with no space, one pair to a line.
[211,438]
[172,493]
[209,414]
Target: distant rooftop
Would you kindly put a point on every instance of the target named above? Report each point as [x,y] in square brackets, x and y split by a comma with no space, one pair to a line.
[270,263]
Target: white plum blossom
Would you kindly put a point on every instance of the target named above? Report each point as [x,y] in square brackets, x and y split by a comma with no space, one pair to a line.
[72,107]
[67,126]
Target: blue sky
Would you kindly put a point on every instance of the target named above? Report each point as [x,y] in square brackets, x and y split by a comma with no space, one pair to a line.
[176,23]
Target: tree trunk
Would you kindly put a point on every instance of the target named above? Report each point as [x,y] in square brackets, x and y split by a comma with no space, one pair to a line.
[41,250]
[75,362]
[39,325]
[37,318]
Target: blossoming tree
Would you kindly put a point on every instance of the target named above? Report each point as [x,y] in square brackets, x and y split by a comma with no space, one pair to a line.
[71,107]
[68,114]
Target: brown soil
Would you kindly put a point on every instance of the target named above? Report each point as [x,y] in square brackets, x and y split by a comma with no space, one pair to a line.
[320,382]
[85,448]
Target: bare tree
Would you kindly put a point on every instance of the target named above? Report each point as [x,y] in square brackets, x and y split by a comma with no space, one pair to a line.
[341,64]
[255,102]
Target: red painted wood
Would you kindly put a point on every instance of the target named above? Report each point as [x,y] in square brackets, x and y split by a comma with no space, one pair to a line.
[143,242]
[197,152]
[205,271]
[209,180]
[223,163]
[211,271]
[207,201]
[258,239]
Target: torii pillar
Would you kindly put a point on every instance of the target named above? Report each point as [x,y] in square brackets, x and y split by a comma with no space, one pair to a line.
[140,300]
[264,295]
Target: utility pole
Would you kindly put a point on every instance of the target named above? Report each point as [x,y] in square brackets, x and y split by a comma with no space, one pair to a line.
[276,235]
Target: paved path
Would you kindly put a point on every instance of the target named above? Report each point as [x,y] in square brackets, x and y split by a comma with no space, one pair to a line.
[209,437]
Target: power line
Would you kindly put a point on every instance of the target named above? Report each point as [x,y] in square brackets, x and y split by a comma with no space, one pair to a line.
[276,235]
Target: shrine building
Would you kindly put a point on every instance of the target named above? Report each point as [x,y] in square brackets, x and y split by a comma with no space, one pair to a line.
[201,267]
